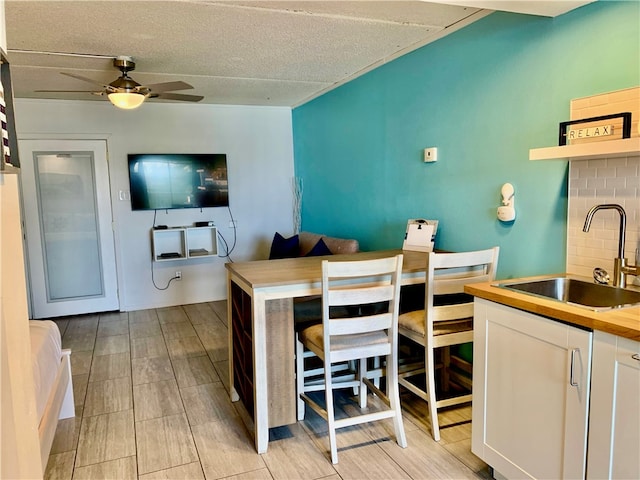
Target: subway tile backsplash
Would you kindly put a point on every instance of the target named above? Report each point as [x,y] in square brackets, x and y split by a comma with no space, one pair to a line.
[593,182]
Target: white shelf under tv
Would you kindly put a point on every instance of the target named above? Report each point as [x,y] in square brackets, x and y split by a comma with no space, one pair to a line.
[588,151]
[183,243]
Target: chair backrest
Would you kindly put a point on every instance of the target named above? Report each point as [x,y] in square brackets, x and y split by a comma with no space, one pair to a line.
[446,276]
[370,289]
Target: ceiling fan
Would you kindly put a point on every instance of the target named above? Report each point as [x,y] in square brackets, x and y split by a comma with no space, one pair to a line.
[126,93]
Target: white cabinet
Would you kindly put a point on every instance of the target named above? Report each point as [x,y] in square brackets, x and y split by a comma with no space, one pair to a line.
[180,243]
[614,424]
[531,380]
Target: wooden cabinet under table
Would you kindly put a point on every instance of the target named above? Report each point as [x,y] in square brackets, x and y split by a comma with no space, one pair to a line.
[280,348]
[261,332]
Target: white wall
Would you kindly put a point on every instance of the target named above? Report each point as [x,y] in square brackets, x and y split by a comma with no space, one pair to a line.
[606,180]
[259,148]
[593,182]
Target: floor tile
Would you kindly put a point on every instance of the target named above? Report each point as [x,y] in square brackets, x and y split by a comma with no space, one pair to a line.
[81,362]
[177,329]
[154,346]
[67,433]
[120,469]
[199,313]
[106,437]
[281,455]
[263,474]
[224,450]
[108,396]
[144,329]
[60,466]
[185,347]
[190,471]
[112,316]
[427,457]
[214,339]
[206,403]
[82,325]
[171,315]
[157,399]
[106,367]
[222,369]
[365,457]
[113,327]
[164,443]
[154,369]
[79,388]
[111,345]
[62,325]
[220,309]
[194,371]
[81,342]
[142,316]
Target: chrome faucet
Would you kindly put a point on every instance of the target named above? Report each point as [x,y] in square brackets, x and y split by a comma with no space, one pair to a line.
[620,267]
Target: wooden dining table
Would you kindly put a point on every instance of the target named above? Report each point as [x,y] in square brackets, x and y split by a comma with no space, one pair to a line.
[261,331]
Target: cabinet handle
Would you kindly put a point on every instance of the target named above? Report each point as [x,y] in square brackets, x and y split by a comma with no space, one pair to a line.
[636,356]
[572,382]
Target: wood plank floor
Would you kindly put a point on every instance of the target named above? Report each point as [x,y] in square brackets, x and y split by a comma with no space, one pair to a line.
[151,403]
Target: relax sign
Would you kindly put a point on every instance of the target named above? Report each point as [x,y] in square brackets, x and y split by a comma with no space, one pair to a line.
[599,131]
[591,132]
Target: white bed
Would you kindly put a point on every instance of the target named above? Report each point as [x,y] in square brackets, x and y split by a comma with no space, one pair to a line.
[52,381]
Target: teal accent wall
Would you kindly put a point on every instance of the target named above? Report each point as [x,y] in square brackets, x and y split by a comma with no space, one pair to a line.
[483,96]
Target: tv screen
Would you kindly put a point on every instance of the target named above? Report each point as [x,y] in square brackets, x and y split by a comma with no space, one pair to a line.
[171,180]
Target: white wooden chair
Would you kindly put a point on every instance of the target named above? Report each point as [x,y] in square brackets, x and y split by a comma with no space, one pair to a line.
[359,338]
[446,320]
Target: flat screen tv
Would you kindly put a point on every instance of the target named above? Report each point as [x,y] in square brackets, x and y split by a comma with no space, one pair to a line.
[171,180]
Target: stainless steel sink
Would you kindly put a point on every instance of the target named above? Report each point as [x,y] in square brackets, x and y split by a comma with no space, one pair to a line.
[577,292]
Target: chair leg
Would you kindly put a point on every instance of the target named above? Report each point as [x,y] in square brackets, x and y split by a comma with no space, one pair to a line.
[376,366]
[300,377]
[431,391]
[393,394]
[446,367]
[330,414]
[362,373]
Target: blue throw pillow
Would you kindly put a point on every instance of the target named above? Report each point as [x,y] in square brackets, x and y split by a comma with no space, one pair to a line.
[319,249]
[284,247]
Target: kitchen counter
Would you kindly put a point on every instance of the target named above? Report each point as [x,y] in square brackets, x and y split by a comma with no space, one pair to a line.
[623,322]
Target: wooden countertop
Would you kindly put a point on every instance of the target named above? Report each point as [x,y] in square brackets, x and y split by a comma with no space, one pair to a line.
[623,322]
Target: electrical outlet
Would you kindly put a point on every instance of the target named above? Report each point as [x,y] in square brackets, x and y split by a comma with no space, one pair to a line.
[178,275]
[431,154]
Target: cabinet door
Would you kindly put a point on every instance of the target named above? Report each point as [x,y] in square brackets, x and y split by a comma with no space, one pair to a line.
[614,425]
[530,393]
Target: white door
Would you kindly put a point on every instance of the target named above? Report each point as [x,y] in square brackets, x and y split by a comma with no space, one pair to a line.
[68,226]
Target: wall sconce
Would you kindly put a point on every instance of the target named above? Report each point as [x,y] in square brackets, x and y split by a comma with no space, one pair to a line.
[507,212]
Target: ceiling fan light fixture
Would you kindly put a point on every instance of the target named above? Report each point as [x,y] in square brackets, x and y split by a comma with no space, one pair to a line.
[127,100]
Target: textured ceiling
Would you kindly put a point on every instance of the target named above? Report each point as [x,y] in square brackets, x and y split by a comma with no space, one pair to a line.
[232,52]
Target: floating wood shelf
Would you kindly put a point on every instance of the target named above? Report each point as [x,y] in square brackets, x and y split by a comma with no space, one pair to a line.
[588,151]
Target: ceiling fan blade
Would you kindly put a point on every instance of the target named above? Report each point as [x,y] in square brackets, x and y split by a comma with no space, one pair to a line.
[67,91]
[177,96]
[168,86]
[85,79]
